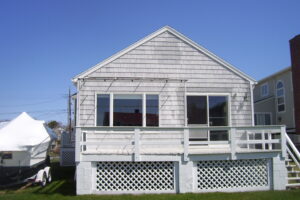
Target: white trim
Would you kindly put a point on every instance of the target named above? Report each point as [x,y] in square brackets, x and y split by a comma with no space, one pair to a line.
[252,103]
[151,36]
[144,110]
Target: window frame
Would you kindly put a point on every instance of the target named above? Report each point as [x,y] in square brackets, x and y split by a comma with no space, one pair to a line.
[277,97]
[111,108]
[228,95]
[267,90]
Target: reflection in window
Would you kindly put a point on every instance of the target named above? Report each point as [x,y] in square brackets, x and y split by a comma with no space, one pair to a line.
[219,135]
[152,110]
[103,110]
[218,111]
[128,110]
[197,109]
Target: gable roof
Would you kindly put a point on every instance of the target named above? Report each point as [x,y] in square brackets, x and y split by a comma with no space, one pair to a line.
[153,35]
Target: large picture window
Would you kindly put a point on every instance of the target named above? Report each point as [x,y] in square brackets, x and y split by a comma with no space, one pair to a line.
[127,110]
[197,109]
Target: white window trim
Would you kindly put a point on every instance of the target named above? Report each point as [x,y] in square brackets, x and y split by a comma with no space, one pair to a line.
[280,96]
[264,113]
[207,95]
[111,107]
[267,90]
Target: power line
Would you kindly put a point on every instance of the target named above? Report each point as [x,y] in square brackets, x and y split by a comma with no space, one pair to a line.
[32,104]
[35,111]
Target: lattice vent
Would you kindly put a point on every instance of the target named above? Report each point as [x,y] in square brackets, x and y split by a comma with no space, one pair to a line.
[135,176]
[224,174]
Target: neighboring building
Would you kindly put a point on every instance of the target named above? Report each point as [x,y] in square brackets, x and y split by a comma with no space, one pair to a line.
[166,115]
[277,97]
[274,100]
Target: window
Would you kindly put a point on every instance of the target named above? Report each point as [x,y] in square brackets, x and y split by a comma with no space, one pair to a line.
[6,155]
[151,110]
[262,119]
[197,109]
[264,90]
[204,109]
[208,110]
[280,96]
[127,110]
[103,110]
[218,111]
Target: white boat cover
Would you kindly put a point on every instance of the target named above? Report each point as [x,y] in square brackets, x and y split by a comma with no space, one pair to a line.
[23,132]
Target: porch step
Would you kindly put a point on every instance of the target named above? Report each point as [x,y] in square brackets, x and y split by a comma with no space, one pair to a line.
[291,165]
[293,172]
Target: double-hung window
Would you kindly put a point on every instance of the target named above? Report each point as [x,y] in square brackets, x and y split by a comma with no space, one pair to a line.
[208,110]
[280,96]
[127,110]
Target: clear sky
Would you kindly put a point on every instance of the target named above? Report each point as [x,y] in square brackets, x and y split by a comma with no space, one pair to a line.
[43,44]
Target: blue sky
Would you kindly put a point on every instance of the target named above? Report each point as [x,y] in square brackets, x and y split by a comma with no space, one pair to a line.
[43,44]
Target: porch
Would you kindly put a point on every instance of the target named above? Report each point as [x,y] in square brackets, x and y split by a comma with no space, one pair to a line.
[186,141]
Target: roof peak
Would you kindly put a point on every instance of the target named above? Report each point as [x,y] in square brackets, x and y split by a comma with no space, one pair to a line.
[151,36]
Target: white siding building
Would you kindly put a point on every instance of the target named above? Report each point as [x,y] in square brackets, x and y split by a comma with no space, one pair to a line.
[166,115]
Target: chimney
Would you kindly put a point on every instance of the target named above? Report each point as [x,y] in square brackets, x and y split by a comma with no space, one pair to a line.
[295,59]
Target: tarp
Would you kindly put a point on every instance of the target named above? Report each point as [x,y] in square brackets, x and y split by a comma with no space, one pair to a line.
[23,132]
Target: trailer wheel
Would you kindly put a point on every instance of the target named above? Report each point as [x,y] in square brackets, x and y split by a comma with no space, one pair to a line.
[49,179]
[44,180]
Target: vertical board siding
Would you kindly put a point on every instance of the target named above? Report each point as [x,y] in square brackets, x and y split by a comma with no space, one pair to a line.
[166,56]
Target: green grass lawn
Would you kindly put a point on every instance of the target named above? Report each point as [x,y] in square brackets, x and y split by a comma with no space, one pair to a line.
[63,188]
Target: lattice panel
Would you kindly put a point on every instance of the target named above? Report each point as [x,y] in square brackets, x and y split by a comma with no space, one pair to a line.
[135,176]
[225,174]
[67,157]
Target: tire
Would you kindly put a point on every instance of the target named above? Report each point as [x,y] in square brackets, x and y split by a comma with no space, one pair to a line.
[49,178]
[43,183]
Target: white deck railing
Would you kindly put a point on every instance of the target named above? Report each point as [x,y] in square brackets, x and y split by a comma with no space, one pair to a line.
[169,140]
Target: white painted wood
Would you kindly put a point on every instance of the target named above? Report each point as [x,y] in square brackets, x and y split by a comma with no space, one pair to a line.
[137,144]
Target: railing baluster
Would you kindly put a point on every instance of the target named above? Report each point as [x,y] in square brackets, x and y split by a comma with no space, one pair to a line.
[283,141]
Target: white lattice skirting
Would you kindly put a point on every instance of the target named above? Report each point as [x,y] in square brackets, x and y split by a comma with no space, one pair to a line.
[135,176]
[67,157]
[226,174]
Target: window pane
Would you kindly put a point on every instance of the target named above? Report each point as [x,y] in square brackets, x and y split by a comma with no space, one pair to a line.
[280,92]
[103,110]
[197,109]
[280,100]
[279,85]
[280,108]
[128,110]
[218,135]
[151,110]
[218,111]
[267,119]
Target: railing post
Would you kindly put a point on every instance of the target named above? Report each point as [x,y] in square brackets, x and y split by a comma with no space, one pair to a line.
[233,143]
[136,144]
[283,142]
[186,135]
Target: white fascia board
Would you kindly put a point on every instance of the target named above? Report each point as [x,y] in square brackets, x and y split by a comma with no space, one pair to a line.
[177,34]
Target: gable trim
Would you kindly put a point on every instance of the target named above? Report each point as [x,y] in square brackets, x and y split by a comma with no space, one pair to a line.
[151,36]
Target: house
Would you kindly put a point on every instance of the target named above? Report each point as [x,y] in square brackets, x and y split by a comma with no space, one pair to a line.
[277,99]
[165,115]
